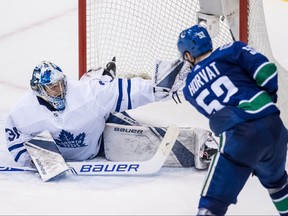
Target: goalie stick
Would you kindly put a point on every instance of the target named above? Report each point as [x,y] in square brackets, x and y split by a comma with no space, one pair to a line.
[119,168]
[130,168]
[16,169]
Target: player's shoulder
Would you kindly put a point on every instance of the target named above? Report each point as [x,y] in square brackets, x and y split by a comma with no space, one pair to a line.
[83,90]
[77,86]
[71,83]
[24,103]
[232,46]
[26,99]
[229,50]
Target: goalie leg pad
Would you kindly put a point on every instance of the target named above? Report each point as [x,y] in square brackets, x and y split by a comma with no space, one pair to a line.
[140,143]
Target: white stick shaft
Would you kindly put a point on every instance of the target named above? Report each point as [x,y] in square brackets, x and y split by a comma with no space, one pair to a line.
[16,169]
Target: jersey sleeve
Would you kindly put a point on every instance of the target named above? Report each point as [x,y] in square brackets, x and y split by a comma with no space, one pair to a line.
[123,94]
[259,67]
[15,142]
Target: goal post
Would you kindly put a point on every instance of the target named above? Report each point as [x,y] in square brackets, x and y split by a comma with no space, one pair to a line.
[139,32]
[243,20]
[82,41]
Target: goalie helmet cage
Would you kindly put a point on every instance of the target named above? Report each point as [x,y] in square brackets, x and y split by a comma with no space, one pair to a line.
[138,32]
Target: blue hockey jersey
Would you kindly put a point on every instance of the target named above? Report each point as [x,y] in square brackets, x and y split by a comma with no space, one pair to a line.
[234,84]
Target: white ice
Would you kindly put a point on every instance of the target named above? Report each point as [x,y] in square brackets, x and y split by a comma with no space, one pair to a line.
[34,30]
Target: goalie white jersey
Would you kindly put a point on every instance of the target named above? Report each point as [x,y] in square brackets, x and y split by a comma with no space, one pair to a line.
[77,129]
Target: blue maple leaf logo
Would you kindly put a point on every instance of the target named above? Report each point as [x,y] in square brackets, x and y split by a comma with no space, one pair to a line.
[67,140]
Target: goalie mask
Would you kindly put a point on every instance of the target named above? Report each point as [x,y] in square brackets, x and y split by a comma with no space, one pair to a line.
[49,83]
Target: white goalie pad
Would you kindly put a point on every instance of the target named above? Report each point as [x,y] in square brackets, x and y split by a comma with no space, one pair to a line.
[46,156]
[131,143]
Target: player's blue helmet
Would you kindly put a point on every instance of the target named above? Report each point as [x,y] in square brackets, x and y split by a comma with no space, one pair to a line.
[49,83]
[195,40]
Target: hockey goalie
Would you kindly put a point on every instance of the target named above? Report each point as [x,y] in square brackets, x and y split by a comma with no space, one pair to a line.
[86,119]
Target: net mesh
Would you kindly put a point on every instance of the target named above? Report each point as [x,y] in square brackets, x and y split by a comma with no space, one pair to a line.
[139,32]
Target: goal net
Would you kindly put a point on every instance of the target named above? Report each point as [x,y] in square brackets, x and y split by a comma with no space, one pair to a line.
[139,32]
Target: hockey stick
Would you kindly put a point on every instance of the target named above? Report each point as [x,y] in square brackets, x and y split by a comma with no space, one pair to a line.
[16,169]
[130,168]
[119,168]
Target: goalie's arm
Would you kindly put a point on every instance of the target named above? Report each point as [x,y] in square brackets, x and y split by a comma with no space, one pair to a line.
[15,140]
[119,94]
[122,94]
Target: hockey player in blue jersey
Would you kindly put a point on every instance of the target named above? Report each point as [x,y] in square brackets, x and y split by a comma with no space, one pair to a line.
[235,87]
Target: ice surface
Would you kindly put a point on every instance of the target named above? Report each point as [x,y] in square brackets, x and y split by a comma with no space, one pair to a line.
[34,30]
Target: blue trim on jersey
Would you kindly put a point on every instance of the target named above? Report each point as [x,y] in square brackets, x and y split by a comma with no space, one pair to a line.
[19,154]
[11,148]
[129,94]
[120,89]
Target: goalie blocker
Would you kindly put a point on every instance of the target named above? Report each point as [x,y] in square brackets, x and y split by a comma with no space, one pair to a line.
[127,140]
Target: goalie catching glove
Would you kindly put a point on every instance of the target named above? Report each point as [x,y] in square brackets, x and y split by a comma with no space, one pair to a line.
[169,79]
[105,74]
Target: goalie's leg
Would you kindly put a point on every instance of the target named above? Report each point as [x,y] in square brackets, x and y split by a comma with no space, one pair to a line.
[125,139]
[205,147]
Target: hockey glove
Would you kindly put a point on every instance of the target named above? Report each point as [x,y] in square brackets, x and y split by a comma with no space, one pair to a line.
[106,74]
[169,78]
[110,69]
